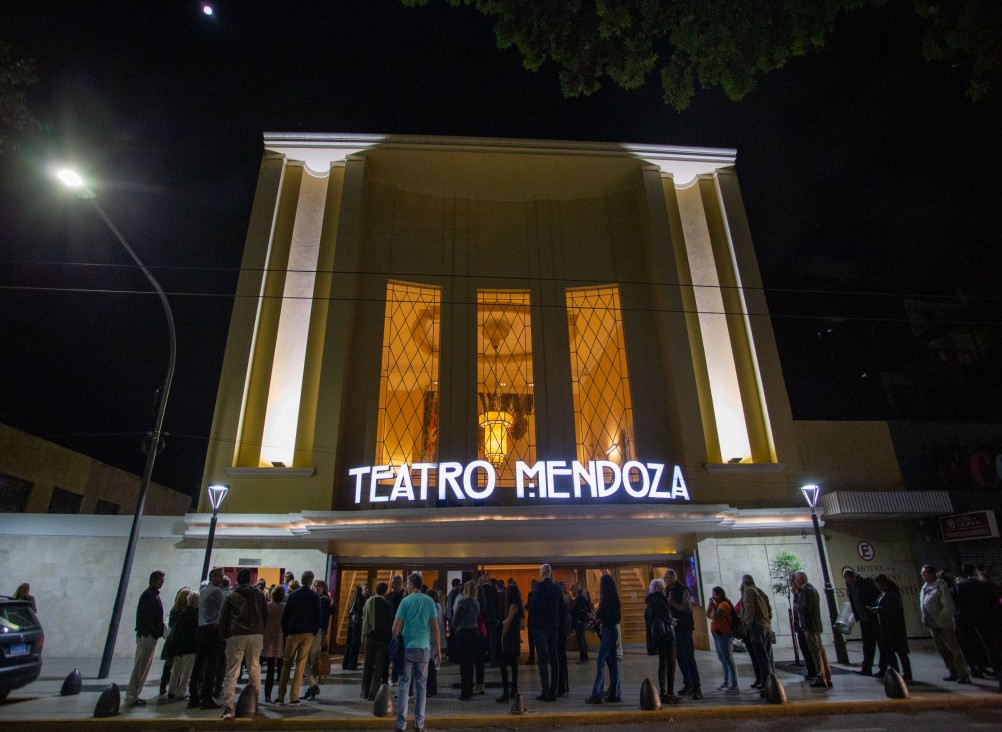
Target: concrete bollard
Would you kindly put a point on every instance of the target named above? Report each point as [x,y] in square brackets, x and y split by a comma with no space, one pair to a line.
[518,705]
[109,703]
[774,691]
[894,686]
[383,706]
[247,702]
[650,700]
[71,684]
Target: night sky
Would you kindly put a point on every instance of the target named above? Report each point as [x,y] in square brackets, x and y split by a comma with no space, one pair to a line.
[865,173]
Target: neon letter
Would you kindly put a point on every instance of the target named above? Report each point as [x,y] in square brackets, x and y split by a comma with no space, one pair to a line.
[402,486]
[523,471]
[645,480]
[447,474]
[678,489]
[553,469]
[358,473]
[605,491]
[469,485]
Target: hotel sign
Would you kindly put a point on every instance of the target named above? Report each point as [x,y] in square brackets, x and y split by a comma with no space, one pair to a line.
[554,479]
[966,526]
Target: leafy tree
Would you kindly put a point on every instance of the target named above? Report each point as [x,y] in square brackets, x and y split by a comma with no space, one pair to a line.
[714,43]
[781,567]
[14,115]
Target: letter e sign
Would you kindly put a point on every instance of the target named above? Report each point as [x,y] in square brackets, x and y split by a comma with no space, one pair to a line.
[866,551]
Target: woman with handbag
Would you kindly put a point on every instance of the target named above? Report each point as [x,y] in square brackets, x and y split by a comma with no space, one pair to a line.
[661,639]
[720,611]
[465,615]
[606,624]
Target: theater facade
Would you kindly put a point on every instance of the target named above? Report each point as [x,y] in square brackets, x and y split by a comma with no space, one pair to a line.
[456,354]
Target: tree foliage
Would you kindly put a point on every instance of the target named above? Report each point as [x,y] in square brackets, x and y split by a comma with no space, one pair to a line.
[15,75]
[713,43]
[781,568]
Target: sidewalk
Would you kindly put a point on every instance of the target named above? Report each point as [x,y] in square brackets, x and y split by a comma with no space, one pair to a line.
[39,706]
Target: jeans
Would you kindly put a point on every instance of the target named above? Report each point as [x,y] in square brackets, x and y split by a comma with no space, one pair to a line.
[607,654]
[725,652]
[549,666]
[415,667]
[686,657]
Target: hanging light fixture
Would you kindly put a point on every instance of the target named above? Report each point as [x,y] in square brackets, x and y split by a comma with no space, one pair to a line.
[494,420]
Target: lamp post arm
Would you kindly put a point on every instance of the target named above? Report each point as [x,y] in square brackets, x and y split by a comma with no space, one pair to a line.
[151,455]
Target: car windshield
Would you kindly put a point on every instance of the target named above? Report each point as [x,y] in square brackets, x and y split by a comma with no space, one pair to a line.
[17,618]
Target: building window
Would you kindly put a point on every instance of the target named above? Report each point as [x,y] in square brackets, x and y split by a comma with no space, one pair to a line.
[505,418]
[107,508]
[603,410]
[14,493]
[408,392]
[63,501]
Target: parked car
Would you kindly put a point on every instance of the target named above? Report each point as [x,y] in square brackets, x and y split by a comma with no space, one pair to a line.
[21,642]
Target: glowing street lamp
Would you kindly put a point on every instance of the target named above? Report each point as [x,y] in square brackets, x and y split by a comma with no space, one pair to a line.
[73,180]
[217,492]
[811,495]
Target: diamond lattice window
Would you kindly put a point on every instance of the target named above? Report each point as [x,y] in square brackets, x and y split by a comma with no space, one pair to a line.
[505,419]
[603,410]
[408,398]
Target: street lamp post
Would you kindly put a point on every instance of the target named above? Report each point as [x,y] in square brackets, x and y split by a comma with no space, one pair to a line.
[73,180]
[217,492]
[811,493]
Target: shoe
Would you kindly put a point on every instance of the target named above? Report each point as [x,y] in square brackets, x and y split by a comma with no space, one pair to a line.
[964,681]
[172,697]
[142,702]
[697,693]
[503,699]
[478,690]
[864,672]
[670,699]
[543,698]
[210,704]
[163,690]
[194,704]
[723,687]
[819,684]
[294,702]
[733,687]
[810,678]
[463,697]
[830,685]
[227,713]
[758,684]
[951,677]
[685,690]
[592,700]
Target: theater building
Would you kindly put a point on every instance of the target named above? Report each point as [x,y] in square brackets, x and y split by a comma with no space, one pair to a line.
[450,354]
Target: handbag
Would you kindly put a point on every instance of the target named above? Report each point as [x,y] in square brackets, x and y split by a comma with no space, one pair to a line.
[322,664]
[481,626]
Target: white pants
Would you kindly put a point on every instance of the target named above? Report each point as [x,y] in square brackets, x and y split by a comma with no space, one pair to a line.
[180,673]
[238,648]
[145,646]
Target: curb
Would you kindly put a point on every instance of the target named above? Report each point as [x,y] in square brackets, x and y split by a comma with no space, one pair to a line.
[675,714]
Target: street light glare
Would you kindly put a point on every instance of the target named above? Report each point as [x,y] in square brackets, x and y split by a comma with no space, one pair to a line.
[70,178]
[207,9]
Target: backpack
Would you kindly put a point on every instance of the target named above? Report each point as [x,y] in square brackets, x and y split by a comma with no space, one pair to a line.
[738,629]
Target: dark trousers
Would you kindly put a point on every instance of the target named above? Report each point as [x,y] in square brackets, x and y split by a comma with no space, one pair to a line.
[491,644]
[686,656]
[758,649]
[549,665]
[273,671]
[351,647]
[666,669]
[532,644]
[374,666]
[563,685]
[203,673]
[509,663]
[581,633]
[466,648]
[165,676]
[808,659]
[868,630]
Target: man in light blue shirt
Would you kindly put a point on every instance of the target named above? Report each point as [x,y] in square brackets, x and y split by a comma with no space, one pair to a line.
[417,622]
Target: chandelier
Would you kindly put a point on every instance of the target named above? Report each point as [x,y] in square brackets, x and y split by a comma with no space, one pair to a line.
[495,421]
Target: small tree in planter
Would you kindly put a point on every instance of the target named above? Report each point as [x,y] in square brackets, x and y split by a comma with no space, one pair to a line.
[781,569]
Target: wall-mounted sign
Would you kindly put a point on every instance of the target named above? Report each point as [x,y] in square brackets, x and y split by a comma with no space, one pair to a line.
[866,551]
[967,526]
[556,479]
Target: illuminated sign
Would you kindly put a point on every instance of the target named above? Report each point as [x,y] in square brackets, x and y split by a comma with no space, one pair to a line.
[556,479]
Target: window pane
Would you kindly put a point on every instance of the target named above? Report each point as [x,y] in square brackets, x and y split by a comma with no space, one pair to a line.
[505,417]
[14,493]
[603,410]
[63,501]
[408,411]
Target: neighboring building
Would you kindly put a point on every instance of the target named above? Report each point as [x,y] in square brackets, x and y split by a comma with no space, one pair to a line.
[451,354]
[38,476]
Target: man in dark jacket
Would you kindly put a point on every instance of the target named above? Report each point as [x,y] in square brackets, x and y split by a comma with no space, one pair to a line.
[547,608]
[300,623]
[149,629]
[809,607]
[396,596]
[377,624]
[680,602]
[241,624]
[863,593]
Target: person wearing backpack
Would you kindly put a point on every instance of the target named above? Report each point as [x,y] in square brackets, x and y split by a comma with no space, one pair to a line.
[721,613]
[661,639]
[756,615]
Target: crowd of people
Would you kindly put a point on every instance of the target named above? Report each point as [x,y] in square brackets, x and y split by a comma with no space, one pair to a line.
[216,632]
